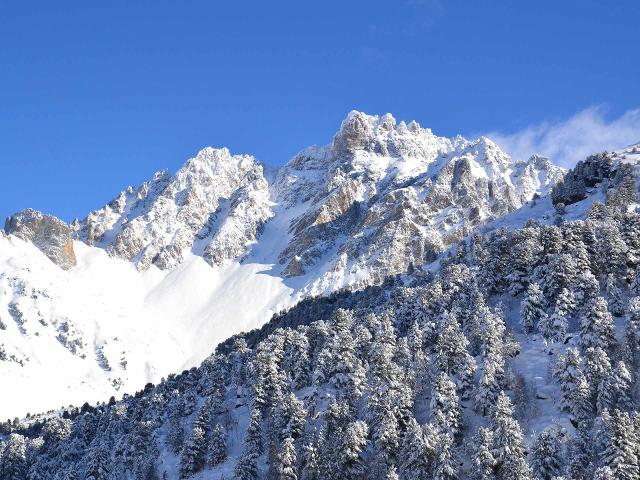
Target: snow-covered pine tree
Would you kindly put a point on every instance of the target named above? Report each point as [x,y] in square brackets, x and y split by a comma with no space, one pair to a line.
[597,367]
[392,473]
[311,458]
[508,442]
[596,326]
[287,460]
[634,288]
[444,465]
[489,387]
[13,461]
[445,406]
[247,467]
[194,453]
[354,441]
[218,446]
[622,384]
[483,463]
[532,308]
[192,459]
[586,291]
[452,356]
[621,446]
[614,295]
[342,368]
[569,375]
[98,461]
[415,459]
[254,439]
[546,453]
[580,456]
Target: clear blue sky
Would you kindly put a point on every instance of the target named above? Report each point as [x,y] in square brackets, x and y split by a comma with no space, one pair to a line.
[98,95]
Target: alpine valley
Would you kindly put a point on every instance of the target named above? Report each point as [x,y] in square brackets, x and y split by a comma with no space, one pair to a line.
[394,304]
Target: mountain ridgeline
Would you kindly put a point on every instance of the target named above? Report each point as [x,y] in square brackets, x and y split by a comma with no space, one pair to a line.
[458,315]
[155,279]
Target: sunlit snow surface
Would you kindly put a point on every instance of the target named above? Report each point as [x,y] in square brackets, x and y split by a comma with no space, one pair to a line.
[145,324]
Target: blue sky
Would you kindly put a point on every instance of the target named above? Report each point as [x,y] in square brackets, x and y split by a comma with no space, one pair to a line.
[98,95]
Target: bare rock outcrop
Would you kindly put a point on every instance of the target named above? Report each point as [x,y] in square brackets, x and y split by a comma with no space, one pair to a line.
[50,234]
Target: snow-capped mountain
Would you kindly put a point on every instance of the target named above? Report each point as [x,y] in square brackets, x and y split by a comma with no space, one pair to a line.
[382,196]
[167,270]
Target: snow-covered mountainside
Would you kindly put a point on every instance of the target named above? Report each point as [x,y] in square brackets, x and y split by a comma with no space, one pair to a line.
[516,358]
[167,270]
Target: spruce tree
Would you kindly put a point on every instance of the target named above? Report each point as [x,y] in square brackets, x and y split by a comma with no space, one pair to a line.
[546,454]
[596,326]
[445,407]
[510,452]
[483,462]
[218,446]
[287,460]
[532,308]
[621,446]
[616,305]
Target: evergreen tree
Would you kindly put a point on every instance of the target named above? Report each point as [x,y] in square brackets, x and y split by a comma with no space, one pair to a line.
[452,355]
[193,457]
[287,458]
[311,464]
[604,473]
[621,446]
[532,308]
[489,387]
[616,305]
[415,453]
[253,439]
[13,461]
[444,468]
[580,453]
[218,447]
[392,473]
[596,326]
[445,407]
[247,467]
[597,367]
[342,368]
[569,376]
[635,283]
[483,462]
[98,462]
[509,445]
[354,441]
[546,454]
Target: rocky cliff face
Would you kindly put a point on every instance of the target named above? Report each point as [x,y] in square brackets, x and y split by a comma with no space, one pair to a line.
[214,206]
[51,235]
[382,197]
[386,196]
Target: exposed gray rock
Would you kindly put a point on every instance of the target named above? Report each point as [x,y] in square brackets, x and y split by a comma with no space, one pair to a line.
[50,234]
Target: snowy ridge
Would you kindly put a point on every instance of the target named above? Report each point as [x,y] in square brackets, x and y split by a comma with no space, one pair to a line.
[171,268]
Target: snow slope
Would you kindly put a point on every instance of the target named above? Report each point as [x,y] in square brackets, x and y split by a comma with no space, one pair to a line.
[131,327]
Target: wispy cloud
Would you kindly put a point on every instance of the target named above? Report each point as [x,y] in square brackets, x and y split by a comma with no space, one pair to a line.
[568,141]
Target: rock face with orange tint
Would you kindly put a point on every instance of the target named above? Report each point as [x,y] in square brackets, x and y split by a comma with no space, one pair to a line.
[50,234]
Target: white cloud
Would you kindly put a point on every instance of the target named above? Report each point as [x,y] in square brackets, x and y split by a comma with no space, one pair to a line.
[568,141]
